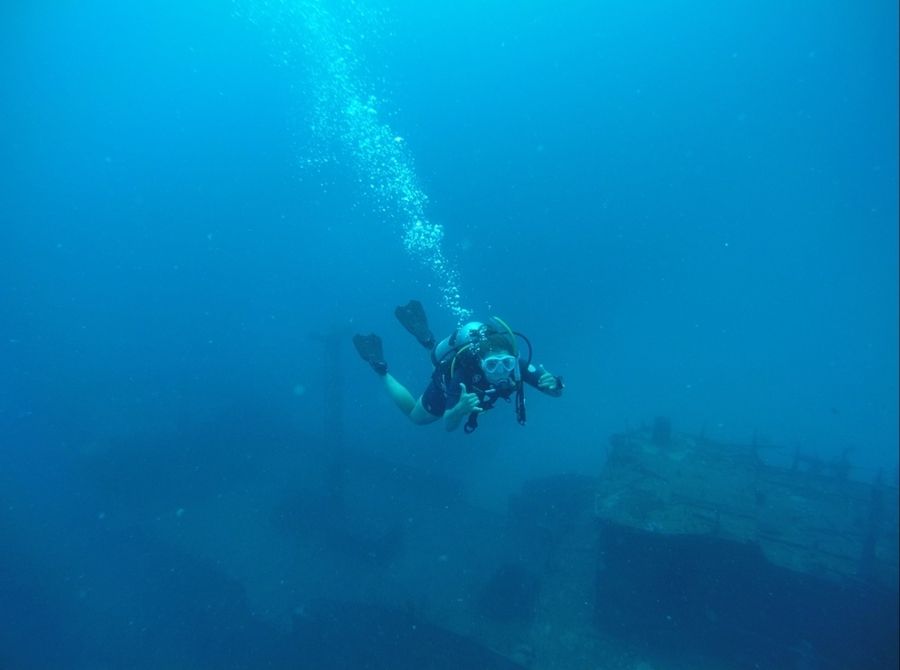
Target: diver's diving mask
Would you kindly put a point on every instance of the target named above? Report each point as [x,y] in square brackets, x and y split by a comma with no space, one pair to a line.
[499,368]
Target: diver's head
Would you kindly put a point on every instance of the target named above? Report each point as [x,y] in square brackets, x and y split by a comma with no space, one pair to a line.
[498,357]
[493,346]
[500,367]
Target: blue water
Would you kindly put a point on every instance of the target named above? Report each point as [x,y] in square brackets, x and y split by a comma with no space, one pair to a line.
[690,209]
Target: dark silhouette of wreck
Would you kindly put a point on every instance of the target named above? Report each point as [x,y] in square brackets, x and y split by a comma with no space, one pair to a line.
[704,546]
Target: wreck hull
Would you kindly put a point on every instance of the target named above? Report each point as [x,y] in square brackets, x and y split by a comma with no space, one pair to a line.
[705,546]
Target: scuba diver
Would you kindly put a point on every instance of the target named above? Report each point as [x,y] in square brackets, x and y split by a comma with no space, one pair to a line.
[477,364]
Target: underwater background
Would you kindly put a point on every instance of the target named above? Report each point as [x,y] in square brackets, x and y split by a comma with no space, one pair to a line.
[690,209]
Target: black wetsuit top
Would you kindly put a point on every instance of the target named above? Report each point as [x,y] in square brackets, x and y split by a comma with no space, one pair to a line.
[443,391]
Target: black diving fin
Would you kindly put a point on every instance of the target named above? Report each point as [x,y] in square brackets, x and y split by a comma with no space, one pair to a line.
[412,316]
[369,348]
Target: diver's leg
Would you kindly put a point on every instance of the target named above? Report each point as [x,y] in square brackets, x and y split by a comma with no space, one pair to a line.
[408,405]
[399,394]
[420,415]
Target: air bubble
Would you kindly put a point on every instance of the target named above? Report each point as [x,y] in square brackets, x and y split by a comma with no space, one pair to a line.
[346,111]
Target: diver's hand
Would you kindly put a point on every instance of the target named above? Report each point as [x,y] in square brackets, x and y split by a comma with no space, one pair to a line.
[468,403]
[549,383]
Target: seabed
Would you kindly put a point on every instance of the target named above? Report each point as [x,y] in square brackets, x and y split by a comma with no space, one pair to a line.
[681,553]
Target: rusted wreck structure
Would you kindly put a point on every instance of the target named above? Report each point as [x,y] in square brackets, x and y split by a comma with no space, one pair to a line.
[704,546]
[681,553]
